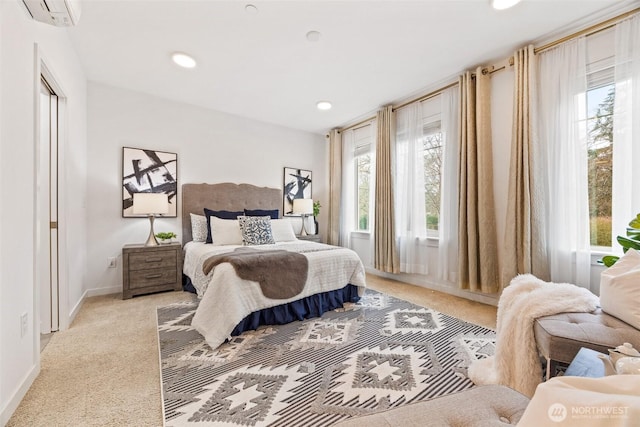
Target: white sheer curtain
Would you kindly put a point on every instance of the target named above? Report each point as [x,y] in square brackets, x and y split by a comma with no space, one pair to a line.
[356,142]
[448,227]
[411,228]
[347,208]
[562,135]
[626,126]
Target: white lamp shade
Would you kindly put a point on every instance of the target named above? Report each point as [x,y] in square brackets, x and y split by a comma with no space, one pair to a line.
[150,203]
[302,206]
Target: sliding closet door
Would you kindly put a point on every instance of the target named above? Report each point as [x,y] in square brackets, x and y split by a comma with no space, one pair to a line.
[48,208]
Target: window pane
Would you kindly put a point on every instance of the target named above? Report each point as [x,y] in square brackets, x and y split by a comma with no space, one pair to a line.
[363,175]
[600,151]
[432,162]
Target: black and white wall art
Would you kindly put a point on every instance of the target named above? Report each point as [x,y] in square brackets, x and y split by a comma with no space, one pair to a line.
[148,171]
[297,185]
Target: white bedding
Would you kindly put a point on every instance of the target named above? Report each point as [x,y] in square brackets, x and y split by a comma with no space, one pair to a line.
[226,299]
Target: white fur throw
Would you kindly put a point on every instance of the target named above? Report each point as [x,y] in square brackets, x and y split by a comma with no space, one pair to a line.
[516,363]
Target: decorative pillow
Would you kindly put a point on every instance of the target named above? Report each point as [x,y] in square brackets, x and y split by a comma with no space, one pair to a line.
[198,228]
[225,231]
[219,214]
[256,230]
[274,214]
[620,289]
[282,230]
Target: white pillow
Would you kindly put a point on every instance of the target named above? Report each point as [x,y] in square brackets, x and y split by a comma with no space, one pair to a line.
[620,289]
[225,231]
[198,228]
[282,230]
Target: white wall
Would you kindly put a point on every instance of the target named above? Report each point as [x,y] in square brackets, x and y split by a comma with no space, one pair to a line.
[211,146]
[18,34]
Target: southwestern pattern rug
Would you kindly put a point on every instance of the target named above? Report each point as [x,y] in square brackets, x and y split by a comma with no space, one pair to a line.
[377,354]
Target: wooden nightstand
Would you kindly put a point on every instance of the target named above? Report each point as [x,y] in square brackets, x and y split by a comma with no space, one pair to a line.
[311,237]
[147,269]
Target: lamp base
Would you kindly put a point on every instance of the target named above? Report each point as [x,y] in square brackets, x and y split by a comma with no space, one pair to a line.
[151,240]
[303,232]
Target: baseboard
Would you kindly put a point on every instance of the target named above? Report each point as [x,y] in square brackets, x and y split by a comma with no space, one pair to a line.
[103,291]
[16,398]
[490,299]
[77,307]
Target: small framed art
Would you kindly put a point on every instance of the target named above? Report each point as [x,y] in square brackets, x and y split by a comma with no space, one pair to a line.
[148,171]
[296,185]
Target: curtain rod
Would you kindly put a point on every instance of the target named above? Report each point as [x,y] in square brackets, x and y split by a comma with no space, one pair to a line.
[427,96]
[404,104]
[355,125]
[605,25]
[396,107]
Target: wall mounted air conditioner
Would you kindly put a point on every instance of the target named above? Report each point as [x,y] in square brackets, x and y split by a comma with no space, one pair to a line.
[61,13]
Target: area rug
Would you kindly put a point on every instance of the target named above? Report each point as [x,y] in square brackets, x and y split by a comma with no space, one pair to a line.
[378,354]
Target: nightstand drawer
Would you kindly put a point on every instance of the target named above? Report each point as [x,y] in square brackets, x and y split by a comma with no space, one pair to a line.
[155,260]
[146,278]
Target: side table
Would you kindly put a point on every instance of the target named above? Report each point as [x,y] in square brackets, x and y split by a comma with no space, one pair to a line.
[147,269]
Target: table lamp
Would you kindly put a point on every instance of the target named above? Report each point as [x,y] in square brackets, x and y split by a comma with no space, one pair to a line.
[150,204]
[304,207]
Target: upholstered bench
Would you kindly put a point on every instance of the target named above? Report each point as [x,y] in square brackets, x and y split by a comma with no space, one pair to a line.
[559,337]
[490,405]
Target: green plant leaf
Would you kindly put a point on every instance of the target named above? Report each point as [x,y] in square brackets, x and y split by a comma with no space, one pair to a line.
[633,233]
[628,243]
[635,223]
[609,260]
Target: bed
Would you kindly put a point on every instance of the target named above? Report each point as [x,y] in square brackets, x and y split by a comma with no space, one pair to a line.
[231,304]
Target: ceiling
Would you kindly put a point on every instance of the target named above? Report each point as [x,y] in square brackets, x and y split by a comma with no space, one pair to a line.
[261,65]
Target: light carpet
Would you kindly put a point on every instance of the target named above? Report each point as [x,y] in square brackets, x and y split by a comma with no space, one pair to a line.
[378,354]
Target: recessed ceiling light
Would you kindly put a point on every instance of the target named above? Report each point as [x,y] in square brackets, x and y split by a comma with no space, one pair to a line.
[313,36]
[323,105]
[250,8]
[183,60]
[503,4]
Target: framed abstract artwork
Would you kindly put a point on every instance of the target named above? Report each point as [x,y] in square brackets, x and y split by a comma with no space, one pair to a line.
[148,171]
[296,185]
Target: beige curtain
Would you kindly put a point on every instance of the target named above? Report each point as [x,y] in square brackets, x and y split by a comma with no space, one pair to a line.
[477,250]
[385,252]
[525,246]
[335,187]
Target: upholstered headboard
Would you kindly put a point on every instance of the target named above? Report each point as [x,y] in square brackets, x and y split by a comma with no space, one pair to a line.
[225,196]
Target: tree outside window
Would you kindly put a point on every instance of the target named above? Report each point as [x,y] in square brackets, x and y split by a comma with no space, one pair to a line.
[363,178]
[432,163]
[600,103]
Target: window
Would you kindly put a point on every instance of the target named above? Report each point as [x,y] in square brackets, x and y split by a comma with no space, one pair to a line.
[431,155]
[362,163]
[358,166]
[600,156]
[600,99]
[363,177]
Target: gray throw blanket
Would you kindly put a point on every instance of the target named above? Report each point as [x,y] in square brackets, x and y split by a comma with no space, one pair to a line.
[281,274]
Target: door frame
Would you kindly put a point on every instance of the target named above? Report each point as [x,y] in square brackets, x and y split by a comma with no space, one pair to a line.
[44,68]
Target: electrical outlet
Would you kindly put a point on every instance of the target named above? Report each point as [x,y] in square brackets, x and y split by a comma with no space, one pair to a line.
[24,324]
[112,262]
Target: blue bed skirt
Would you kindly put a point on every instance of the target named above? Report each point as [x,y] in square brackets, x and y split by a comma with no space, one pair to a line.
[305,308]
